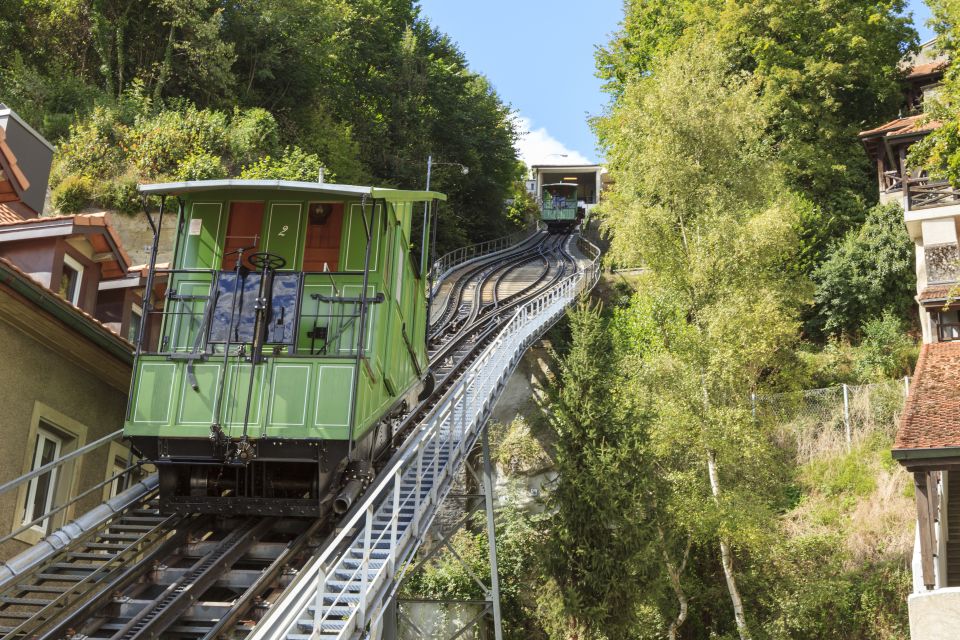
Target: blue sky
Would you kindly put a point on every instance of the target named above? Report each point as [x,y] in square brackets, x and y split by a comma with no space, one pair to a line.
[539,54]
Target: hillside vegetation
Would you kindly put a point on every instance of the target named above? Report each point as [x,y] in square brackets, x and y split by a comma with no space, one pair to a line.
[682,509]
[193,89]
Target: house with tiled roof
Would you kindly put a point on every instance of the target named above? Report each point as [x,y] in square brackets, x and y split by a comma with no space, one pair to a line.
[927,443]
[25,161]
[70,307]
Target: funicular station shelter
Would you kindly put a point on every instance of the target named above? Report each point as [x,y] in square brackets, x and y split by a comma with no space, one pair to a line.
[590,180]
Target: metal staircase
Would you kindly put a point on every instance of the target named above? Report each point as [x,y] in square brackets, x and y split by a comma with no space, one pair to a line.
[346,589]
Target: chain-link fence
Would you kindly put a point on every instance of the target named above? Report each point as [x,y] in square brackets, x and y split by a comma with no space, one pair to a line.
[835,419]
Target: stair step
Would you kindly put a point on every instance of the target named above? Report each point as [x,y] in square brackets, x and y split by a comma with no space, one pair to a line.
[76,566]
[106,546]
[141,528]
[30,602]
[41,588]
[79,555]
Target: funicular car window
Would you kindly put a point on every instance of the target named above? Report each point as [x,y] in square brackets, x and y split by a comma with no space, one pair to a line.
[234,312]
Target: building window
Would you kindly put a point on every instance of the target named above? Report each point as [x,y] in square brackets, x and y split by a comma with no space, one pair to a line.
[119,466]
[948,325]
[133,330]
[42,489]
[70,279]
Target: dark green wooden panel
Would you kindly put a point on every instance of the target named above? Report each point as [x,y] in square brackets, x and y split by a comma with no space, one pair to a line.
[283,232]
[290,399]
[153,394]
[355,244]
[201,248]
[196,406]
[333,391]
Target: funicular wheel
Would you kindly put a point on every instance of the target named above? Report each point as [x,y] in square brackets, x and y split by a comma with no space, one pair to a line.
[267,261]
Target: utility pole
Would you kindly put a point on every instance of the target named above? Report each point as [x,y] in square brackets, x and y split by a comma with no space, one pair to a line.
[426,247]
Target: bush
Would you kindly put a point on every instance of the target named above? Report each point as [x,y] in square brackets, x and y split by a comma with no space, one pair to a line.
[253,133]
[868,273]
[200,165]
[119,194]
[158,145]
[72,194]
[886,351]
[131,142]
[94,148]
[294,164]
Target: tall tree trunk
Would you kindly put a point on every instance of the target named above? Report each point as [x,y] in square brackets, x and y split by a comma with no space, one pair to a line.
[726,555]
[675,572]
[166,66]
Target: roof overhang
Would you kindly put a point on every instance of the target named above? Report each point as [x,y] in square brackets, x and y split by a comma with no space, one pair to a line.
[46,301]
[573,168]
[318,188]
[76,225]
[929,459]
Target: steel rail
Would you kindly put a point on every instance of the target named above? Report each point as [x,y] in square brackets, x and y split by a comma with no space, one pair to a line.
[342,592]
[162,620]
[455,297]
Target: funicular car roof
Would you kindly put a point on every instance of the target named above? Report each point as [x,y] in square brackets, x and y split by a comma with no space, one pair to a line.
[319,188]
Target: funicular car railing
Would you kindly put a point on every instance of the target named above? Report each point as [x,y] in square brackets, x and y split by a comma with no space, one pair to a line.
[204,312]
[345,587]
[445,264]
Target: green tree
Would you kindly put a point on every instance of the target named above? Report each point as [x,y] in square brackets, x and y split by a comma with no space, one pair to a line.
[826,70]
[700,202]
[596,554]
[868,273]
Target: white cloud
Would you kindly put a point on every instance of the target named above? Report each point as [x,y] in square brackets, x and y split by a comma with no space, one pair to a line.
[537,146]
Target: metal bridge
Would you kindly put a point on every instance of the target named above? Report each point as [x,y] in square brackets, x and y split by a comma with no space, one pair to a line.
[123,570]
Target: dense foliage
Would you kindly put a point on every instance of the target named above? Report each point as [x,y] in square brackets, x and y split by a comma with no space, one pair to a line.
[367,88]
[870,272]
[740,184]
[939,152]
[826,70]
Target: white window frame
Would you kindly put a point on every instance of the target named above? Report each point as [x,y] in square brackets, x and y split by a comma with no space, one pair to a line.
[73,434]
[136,317]
[74,264]
[42,435]
[117,456]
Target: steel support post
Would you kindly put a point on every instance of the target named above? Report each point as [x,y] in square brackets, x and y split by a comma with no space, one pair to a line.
[491,534]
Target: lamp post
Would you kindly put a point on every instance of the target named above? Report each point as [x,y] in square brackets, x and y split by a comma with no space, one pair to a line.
[433,240]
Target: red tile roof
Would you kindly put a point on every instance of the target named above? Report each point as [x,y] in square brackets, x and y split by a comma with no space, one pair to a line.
[101,219]
[4,263]
[940,292]
[926,69]
[931,416]
[8,214]
[910,124]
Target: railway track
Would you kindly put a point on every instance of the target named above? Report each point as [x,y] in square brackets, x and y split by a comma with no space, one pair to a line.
[140,574]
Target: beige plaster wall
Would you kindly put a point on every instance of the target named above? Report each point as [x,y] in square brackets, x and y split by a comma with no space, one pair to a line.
[935,615]
[33,374]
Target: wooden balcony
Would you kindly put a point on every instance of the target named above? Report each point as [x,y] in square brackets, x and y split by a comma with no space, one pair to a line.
[927,193]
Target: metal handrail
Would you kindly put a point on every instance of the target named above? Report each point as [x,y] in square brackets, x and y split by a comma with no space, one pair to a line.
[445,264]
[53,464]
[431,455]
[54,511]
